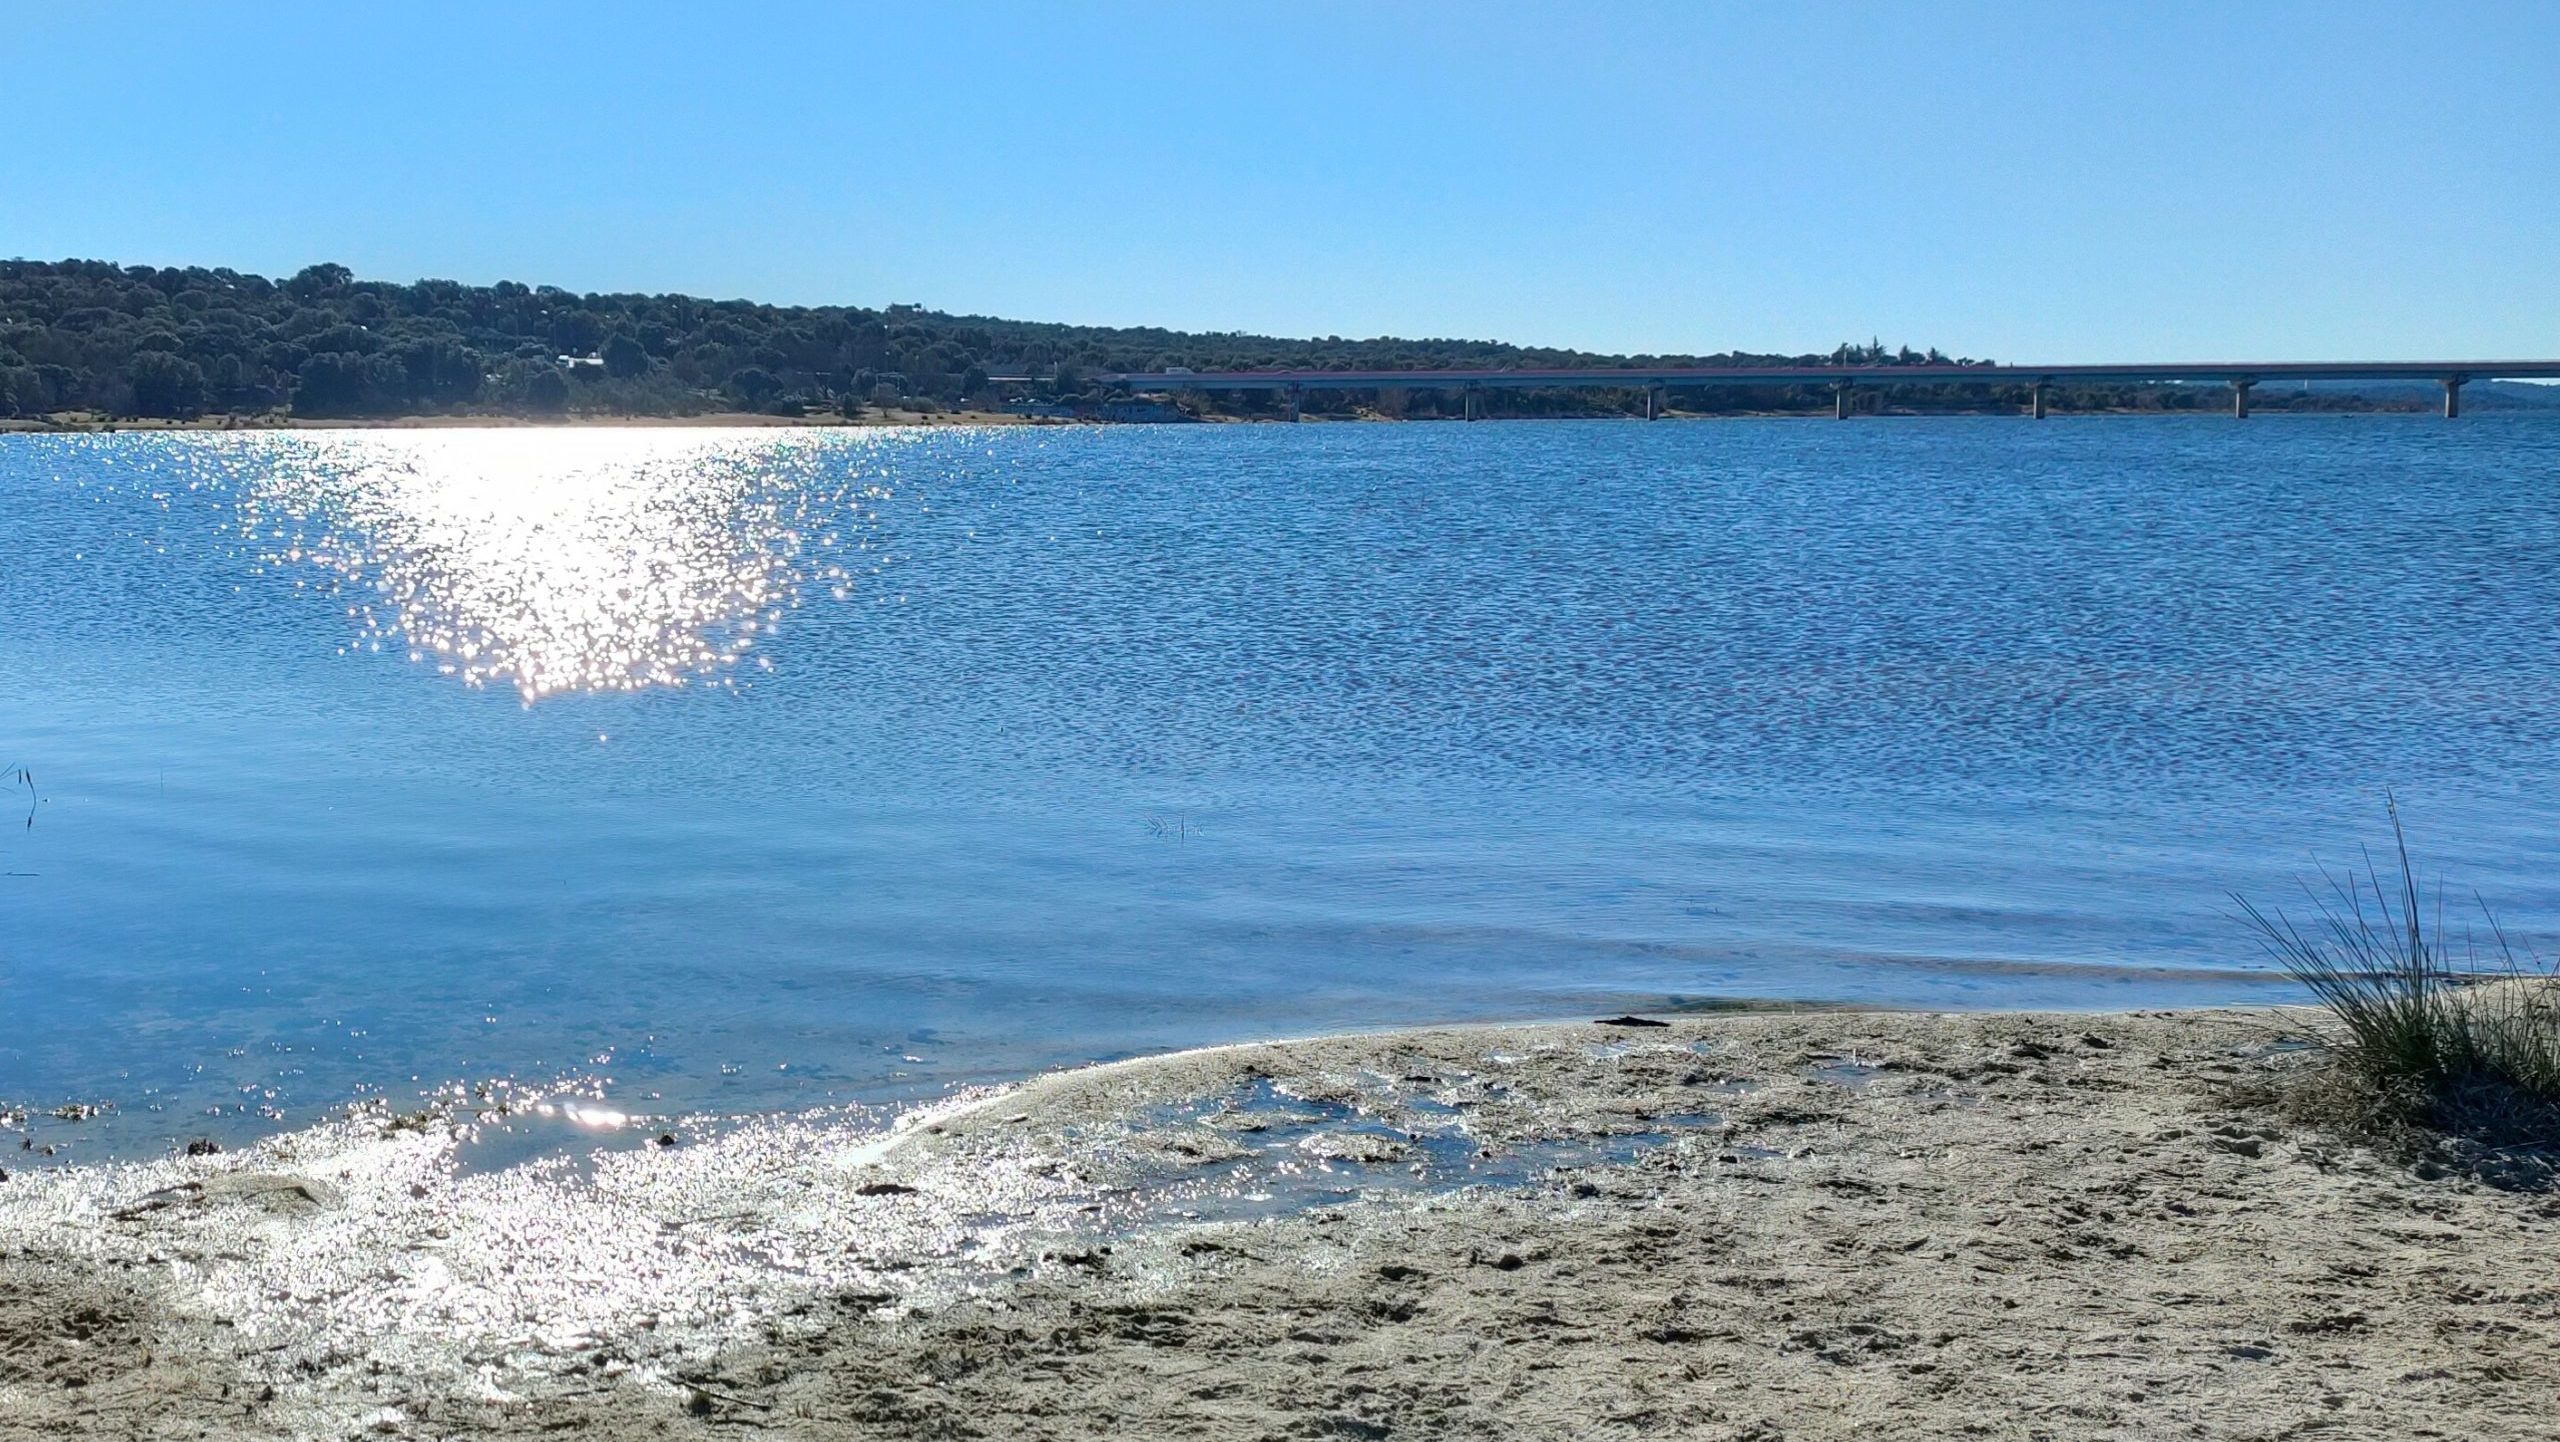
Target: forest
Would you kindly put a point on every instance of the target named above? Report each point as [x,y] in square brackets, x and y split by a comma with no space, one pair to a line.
[93,339]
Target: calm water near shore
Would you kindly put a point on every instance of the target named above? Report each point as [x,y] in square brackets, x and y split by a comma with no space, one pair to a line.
[735,770]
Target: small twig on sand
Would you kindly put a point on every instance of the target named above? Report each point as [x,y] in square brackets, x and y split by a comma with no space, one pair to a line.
[731,1398]
[154,1201]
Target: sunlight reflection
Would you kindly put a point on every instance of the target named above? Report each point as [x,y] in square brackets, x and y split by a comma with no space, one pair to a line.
[553,561]
[576,1114]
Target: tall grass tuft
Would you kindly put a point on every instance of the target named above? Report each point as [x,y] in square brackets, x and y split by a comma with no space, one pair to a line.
[2468,1041]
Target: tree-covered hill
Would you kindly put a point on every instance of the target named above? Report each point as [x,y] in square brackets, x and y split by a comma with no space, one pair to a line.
[104,339]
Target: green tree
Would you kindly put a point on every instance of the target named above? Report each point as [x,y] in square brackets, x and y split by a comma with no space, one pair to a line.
[22,392]
[577,332]
[755,385]
[165,385]
[548,391]
[624,357]
[325,278]
[347,339]
[330,384]
[440,371]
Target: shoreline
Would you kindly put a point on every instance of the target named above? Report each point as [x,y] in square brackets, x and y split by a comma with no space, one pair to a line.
[748,420]
[1752,1224]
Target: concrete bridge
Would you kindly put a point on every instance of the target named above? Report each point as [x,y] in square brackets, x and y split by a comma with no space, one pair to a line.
[1843,380]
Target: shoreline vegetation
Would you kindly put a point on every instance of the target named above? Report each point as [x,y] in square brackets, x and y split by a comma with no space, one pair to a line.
[92,345]
[86,424]
[1752,1225]
[720,420]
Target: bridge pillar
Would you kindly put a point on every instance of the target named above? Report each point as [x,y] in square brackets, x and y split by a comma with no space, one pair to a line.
[1840,402]
[2453,397]
[2035,400]
[1470,394]
[1653,403]
[1296,395]
[2240,399]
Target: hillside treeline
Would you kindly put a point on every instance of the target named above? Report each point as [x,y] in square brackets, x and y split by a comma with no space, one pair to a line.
[93,337]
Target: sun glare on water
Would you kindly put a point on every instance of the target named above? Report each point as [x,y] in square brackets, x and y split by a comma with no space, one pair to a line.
[588,560]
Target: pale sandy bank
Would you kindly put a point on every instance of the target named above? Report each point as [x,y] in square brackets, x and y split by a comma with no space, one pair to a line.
[1761,1226]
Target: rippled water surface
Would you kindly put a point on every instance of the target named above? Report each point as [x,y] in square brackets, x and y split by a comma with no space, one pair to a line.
[740,770]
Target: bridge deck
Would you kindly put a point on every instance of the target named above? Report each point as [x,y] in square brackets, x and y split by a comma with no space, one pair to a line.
[2251,372]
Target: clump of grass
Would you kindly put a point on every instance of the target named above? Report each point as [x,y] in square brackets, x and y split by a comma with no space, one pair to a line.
[2464,1041]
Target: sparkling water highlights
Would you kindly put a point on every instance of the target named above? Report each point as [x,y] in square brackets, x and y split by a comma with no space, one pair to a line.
[547,561]
[662,771]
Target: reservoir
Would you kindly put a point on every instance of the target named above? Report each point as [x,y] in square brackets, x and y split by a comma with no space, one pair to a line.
[727,771]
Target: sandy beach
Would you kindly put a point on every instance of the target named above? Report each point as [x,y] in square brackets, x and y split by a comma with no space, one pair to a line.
[1797,1225]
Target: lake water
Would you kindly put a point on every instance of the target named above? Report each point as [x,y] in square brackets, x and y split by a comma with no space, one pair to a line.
[741,770]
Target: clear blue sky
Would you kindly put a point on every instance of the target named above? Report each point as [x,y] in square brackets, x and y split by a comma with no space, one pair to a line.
[2048,181]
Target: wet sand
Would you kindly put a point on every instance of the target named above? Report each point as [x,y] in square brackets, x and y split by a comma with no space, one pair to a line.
[1752,1226]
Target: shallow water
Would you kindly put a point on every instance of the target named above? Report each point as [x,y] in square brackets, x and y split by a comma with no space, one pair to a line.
[740,770]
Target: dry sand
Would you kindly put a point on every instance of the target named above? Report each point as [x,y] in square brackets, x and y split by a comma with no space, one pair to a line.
[1759,1226]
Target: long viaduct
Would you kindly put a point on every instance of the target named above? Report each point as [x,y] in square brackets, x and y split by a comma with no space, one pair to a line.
[1843,380]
